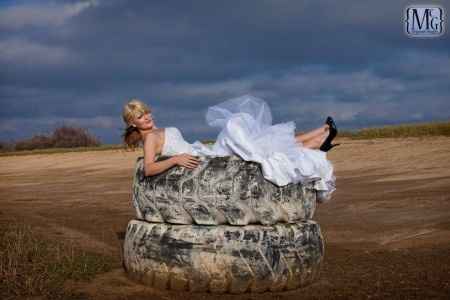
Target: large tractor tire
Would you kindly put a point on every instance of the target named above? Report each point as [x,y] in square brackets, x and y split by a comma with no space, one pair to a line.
[221,190]
[223,259]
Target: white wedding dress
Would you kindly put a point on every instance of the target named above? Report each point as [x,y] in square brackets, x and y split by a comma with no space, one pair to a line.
[247,131]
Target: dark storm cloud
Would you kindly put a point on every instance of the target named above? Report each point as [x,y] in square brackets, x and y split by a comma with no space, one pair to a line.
[77,62]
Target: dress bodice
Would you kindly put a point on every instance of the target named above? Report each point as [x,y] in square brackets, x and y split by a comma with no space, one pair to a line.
[174,143]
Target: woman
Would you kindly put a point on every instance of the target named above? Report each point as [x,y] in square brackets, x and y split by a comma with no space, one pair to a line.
[247,131]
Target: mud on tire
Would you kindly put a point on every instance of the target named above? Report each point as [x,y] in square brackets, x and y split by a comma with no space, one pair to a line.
[221,190]
[223,259]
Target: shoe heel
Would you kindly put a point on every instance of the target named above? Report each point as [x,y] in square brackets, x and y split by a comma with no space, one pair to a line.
[327,146]
[334,145]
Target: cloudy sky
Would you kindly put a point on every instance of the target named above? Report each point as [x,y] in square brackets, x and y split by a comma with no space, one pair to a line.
[77,62]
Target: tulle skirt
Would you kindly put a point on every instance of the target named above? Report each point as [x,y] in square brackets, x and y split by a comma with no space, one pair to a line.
[247,131]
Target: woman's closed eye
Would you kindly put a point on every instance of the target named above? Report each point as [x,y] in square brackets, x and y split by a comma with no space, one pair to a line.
[143,115]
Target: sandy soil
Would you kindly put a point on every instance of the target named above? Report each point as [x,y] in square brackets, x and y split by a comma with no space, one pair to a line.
[387,229]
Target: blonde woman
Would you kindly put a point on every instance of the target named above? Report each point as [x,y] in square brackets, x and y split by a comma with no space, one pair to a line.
[246,131]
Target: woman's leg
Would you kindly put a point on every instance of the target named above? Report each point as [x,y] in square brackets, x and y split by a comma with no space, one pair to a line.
[315,142]
[304,137]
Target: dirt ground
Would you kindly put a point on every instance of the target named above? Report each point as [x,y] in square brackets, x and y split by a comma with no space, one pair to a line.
[386,230]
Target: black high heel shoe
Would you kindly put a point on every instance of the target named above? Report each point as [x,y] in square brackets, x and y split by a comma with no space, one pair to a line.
[327,145]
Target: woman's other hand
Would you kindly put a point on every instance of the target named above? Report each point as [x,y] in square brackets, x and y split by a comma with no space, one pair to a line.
[186,160]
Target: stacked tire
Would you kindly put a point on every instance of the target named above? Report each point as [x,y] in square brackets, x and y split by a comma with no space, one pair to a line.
[222,228]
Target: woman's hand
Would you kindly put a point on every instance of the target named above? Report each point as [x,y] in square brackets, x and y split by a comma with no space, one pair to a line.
[186,160]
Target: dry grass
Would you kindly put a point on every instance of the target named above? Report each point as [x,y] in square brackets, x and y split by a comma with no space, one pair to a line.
[61,150]
[406,130]
[32,266]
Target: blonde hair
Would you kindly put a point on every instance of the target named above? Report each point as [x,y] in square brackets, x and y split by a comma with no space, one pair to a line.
[133,109]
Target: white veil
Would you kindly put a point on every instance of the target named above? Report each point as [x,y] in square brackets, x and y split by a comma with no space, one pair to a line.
[218,115]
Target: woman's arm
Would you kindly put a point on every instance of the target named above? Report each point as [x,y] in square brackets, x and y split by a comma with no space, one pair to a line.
[150,166]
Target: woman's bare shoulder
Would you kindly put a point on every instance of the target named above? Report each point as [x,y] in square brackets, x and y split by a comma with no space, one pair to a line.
[155,134]
[155,137]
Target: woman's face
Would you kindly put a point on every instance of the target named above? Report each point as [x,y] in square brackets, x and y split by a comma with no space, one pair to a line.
[144,121]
